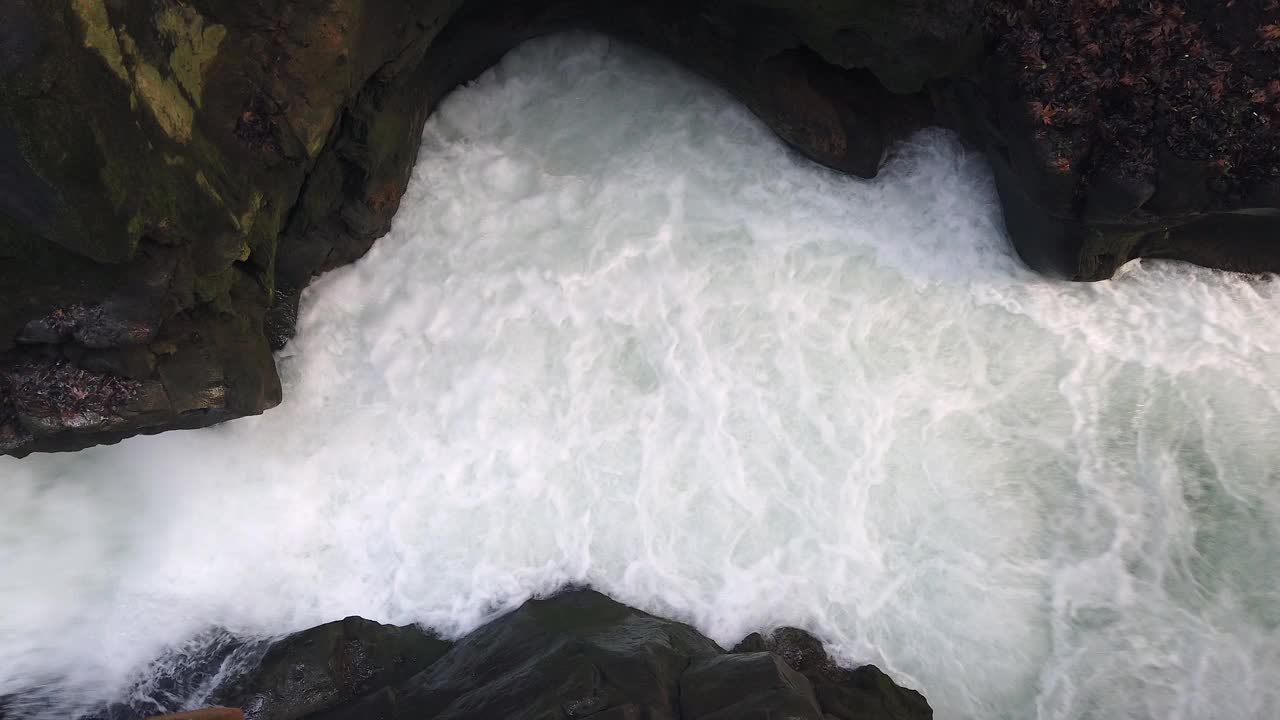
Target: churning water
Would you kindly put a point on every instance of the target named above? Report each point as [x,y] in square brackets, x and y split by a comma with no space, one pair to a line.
[620,335]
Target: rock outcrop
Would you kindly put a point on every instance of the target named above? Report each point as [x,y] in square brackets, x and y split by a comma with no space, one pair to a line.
[174,172]
[328,666]
[576,655]
[1120,130]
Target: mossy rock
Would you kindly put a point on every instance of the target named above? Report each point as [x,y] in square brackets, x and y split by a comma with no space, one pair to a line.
[204,159]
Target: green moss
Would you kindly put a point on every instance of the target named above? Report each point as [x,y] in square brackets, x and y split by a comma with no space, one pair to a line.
[204,184]
[195,45]
[161,94]
[247,219]
[99,36]
[171,96]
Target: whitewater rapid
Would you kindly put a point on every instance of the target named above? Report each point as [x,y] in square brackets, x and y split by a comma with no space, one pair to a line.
[619,335]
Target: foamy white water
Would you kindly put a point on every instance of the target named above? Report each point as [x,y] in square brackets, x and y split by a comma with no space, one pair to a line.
[620,335]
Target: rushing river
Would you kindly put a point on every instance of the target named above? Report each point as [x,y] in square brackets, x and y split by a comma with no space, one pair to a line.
[620,335]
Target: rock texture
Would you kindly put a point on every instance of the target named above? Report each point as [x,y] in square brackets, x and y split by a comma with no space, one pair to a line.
[174,172]
[576,655]
[330,665]
[1121,129]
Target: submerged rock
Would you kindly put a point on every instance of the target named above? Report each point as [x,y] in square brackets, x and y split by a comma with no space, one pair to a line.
[578,654]
[173,173]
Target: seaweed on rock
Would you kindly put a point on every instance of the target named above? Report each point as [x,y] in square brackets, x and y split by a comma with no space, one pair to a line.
[1113,83]
[58,389]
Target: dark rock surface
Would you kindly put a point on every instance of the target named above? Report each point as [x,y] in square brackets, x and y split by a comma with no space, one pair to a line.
[330,665]
[841,692]
[1121,129]
[756,685]
[174,172]
[292,677]
[576,655]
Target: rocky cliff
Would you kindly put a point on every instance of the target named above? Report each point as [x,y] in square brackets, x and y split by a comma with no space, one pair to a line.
[176,171]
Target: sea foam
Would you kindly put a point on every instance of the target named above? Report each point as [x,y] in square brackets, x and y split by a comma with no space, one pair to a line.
[620,335]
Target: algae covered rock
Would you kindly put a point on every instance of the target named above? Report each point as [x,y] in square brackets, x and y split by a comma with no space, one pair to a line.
[152,152]
[173,173]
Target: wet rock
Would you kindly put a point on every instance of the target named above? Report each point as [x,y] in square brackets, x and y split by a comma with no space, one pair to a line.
[866,692]
[186,168]
[111,325]
[45,397]
[575,655]
[182,677]
[746,686]
[1101,159]
[326,666]
[578,654]
[134,196]
[863,693]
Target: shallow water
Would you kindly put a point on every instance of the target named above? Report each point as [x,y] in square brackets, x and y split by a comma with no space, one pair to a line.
[620,335]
